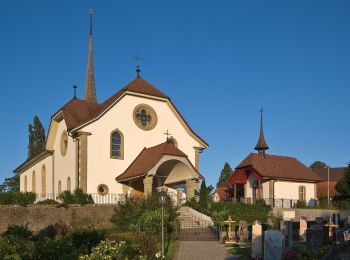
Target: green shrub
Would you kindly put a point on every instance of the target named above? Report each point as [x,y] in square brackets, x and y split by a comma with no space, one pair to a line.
[301,204]
[18,231]
[108,249]
[77,197]
[17,198]
[150,222]
[86,239]
[47,202]
[55,249]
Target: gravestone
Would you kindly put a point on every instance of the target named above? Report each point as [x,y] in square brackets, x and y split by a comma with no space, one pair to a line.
[302,228]
[287,233]
[348,222]
[272,245]
[347,235]
[341,235]
[336,219]
[256,240]
[315,237]
[319,221]
[242,231]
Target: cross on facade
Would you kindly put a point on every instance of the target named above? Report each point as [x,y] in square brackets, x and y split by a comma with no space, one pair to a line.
[167,134]
[137,58]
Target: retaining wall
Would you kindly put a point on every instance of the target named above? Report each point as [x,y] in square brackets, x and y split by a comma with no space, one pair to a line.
[40,216]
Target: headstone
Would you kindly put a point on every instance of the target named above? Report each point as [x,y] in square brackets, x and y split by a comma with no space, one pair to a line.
[348,222]
[288,215]
[302,228]
[339,235]
[347,235]
[287,233]
[242,231]
[315,237]
[272,245]
[336,219]
[319,221]
[256,240]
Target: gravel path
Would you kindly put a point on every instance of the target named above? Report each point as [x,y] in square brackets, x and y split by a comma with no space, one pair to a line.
[198,250]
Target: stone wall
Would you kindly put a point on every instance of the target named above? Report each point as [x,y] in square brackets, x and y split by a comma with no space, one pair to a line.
[40,216]
[311,214]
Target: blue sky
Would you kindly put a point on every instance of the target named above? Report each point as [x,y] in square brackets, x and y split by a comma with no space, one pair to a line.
[219,61]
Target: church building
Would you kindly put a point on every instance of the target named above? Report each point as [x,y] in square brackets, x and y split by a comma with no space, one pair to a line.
[279,180]
[132,143]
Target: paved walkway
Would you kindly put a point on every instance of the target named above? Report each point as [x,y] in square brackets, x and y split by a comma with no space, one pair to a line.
[198,250]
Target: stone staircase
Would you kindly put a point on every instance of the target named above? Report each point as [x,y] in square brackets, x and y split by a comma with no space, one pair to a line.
[195,226]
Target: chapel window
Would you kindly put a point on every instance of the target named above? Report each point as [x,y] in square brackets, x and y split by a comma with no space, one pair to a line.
[117,145]
[302,193]
[102,189]
[68,184]
[64,143]
[59,188]
[145,117]
[43,181]
[25,183]
[33,182]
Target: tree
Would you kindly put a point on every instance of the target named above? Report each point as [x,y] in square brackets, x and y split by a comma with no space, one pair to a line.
[343,185]
[210,189]
[203,196]
[225,174]
[10,184]
[36,143]
[318,165]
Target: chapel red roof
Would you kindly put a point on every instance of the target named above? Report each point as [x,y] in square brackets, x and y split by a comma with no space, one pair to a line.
[279,167]
[334,173]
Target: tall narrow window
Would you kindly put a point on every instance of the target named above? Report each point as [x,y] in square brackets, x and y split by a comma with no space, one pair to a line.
[33,182]
[302,193]
[117,145]
[25,184]
[59,188]
[43,181]
[68,184]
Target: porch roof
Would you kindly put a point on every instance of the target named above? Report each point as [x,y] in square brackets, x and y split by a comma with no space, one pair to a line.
[147,159]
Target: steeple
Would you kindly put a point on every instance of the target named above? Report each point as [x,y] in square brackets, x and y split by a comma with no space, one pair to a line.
[90,91]
[261,146]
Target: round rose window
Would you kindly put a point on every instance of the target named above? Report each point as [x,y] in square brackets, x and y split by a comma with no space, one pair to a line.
[145,117]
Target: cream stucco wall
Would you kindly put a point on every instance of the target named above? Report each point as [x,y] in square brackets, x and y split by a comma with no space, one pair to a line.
[101,168]
[266,190]
[290,190]
[64,165]
[47,162]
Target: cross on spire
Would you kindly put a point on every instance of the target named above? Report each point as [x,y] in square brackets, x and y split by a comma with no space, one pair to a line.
[167,135]
[137,58]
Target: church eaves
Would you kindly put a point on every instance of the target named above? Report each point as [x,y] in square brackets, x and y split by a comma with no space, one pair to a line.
[90,90]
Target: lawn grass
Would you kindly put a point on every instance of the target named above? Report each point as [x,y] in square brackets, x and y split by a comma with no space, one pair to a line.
[240,249]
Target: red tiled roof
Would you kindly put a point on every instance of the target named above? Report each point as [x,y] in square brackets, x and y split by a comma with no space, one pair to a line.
[334,173]
[148,158]
[78,112]
[279,167]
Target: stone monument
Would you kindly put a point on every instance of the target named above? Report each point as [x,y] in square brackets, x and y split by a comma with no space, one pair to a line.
[243,231]
[273,245]
[229,222]
[256,240]
[302,228]
[315,237]
[319,221]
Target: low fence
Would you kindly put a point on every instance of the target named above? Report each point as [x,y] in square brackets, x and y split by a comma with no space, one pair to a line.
[282,203]
[110,198]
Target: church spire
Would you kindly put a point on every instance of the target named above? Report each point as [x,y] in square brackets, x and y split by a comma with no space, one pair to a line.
[90,91]
[261,146]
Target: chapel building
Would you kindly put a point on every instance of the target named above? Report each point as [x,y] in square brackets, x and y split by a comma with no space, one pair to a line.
[279,180]
[132,143]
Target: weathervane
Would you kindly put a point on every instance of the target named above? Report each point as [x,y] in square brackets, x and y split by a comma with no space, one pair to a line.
[137,58]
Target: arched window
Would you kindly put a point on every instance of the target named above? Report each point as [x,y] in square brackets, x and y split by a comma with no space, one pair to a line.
[25,183]
[43,181]
[117,145]
[33,182]
[68,184]
[302,193]
[59,188]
